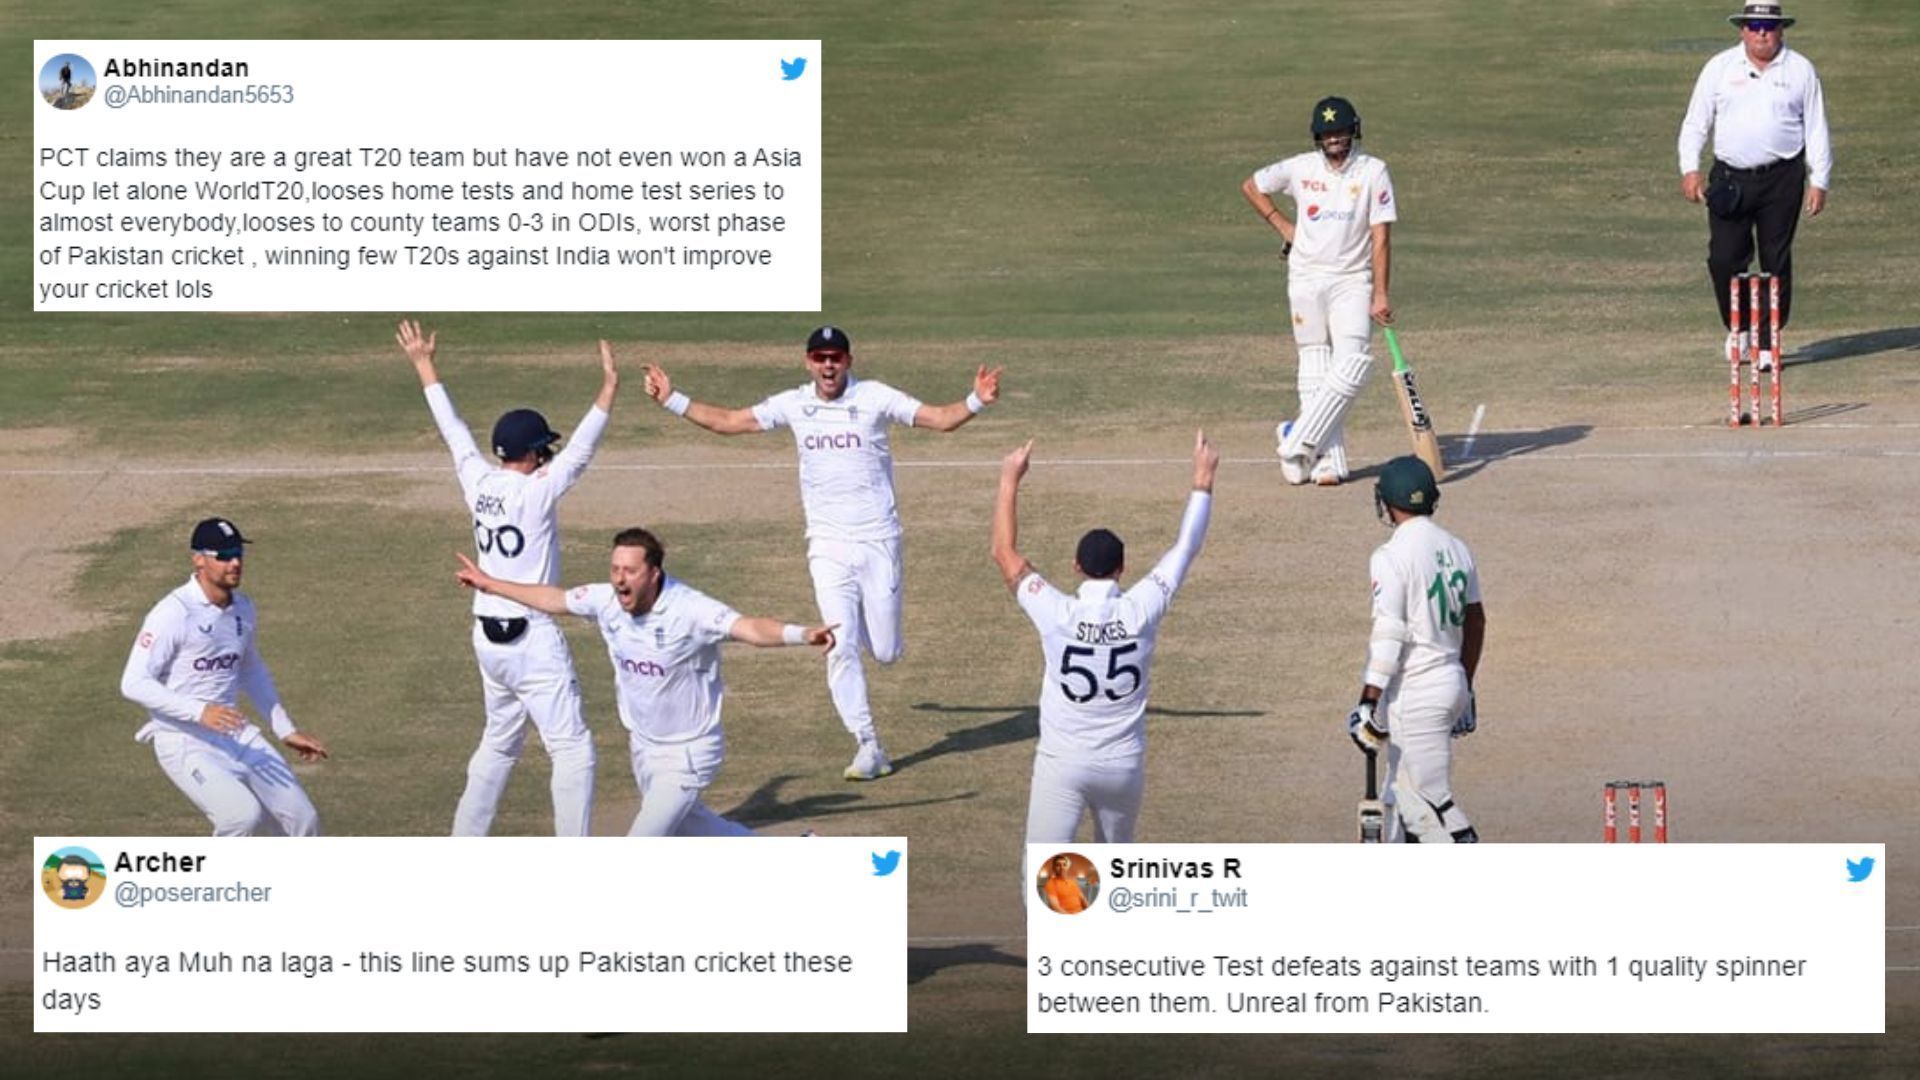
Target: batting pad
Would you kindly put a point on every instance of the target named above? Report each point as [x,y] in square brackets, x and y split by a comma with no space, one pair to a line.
[1314,361]
[1323,414]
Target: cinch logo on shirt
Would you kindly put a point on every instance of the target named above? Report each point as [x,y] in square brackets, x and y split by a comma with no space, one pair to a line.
[642,667]
[846,440]
[216,663]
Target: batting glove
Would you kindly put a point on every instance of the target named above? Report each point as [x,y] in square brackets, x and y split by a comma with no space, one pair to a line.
[1364,730]
[1469,720]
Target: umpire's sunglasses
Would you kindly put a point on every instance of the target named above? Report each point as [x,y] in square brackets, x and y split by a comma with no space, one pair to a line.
[224,554]
[1761,26]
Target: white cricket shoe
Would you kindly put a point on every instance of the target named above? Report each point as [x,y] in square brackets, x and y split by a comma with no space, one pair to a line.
[869,763]
[1293,467]
[1326,474]
[1736,346]
[1763,360]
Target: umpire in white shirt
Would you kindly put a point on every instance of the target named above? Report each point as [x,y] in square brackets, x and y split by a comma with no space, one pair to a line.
[1762,104]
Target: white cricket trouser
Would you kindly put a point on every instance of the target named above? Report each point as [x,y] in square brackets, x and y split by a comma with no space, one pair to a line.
[1063,789]
[671,777]
[530,677]
[1420,754]
[1333,311]
[241,782]
[857,585]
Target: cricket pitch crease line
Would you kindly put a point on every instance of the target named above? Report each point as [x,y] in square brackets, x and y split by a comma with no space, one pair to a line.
[1543,455]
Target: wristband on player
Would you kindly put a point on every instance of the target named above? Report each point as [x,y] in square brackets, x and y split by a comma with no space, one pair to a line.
[974,404]
[677,403]
[793,635]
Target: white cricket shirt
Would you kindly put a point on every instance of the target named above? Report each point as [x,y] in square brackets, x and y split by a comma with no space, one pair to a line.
[1758,116]
[1424,577]
[1333,210]
[516,528]
[192,653]
[1099,645]
[846,462]
[666,662]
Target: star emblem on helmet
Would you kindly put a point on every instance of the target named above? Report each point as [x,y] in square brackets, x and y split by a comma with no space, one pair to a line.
[1328,114]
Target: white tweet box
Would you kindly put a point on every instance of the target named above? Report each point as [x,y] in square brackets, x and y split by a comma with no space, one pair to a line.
[495,934]
[1487,938]
[428,176]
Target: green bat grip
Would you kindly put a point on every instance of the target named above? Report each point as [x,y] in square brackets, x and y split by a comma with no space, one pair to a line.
[1393,346]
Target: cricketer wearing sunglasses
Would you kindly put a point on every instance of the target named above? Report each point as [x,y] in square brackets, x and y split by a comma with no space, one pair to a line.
[196,653]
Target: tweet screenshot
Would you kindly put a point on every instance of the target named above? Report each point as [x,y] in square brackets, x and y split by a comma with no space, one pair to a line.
[427,175]
[1487,938]
[501,934]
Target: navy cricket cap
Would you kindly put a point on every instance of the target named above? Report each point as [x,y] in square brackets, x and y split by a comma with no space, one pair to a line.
[521,432]
[1100,554]
[216,534]
[829,337]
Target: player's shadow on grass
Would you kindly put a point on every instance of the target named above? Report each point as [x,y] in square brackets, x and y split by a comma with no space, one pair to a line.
[1019,725]
[924,962]
[763,805]
[1491,446]
[1852,345]
[1022,724]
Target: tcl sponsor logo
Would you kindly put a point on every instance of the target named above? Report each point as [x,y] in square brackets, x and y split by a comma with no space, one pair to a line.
[1313,185]
[223,662]
[845,440]
[642,667]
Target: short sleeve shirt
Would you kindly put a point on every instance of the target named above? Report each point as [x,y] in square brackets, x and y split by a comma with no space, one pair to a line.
[1424,576]
[666,662]
[846,462]
[1334,211]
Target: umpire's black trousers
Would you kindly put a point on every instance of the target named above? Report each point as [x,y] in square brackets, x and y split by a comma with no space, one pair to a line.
[1770,198]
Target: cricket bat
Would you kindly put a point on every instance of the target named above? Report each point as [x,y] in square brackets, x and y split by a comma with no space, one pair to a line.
[1426,445]
[1373,812]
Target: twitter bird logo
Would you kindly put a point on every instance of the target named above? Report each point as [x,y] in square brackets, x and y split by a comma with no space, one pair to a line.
[888,863]
[792,69]
[1856,871]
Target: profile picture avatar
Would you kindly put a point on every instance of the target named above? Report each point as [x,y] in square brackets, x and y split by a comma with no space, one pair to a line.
[66,81]
[73,877]
[1068,883]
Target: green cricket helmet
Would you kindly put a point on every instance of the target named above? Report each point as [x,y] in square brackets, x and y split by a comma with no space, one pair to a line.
[1334,114]
[1405,483]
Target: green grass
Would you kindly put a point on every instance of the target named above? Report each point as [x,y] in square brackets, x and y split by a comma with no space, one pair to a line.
[1052,186]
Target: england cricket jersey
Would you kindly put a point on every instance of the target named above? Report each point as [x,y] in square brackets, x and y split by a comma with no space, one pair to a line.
[516,528]
[192,653]
[666,662]
[1333,210]
[1099,644]
[1424,578]
[846,462]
